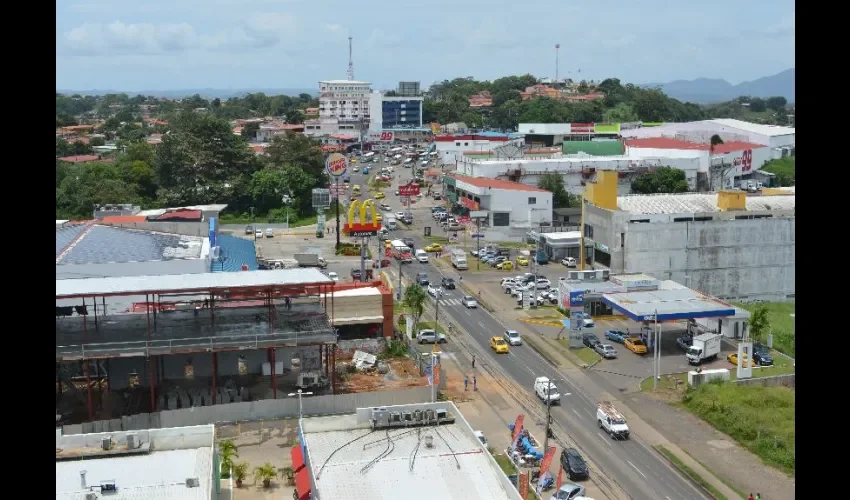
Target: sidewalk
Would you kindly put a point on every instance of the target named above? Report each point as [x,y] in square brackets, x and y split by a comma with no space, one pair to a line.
[571,367]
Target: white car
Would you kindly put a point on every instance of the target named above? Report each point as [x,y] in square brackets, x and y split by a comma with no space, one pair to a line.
[333,276]
[569,491]
[517,291]
[508,284]
[421,256]
[586,320]
[258,233]
[434,291]
[543,284]
[399,215]
[512,337]
[569,262]
[269,233]
[469,302]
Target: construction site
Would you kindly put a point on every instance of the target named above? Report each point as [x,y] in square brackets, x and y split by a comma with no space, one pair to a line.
[140,344]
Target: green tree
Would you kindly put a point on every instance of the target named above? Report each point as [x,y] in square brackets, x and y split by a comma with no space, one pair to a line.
[84,185]
[662,180]
[554,183]
[621,113]
[97,141]
[414,300]
[294,116]
[776,103]
[757,105]
[249,131]
[759,324]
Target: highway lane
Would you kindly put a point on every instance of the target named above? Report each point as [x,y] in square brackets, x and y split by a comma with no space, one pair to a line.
[640,471]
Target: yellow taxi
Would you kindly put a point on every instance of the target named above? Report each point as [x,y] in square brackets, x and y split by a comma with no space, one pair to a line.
[379,217]
[387,244]
[353,159]
[379,195]
[505,266]
[499,345]
[522,260]
[733,358]
[635,345]
[434,247]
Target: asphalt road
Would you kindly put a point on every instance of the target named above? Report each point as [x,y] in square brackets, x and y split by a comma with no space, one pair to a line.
[638,469]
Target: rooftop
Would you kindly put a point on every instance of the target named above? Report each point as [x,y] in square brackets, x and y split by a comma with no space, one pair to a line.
[756,128]
[670,143]
[686,203]
[483,182]
[565,235]
[142,285]
[670,304]
[97,244]
[80,158]
[181,454]
[384,463]
[350,82]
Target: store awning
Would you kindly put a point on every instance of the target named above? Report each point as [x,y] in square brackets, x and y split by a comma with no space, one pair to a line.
[297,458]
[302,484]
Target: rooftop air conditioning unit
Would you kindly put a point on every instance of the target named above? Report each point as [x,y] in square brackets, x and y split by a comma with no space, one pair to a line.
[132,441]
[106,443]
[192,482]
[91,496]
[442,413]
[407,416]
[429,415]
[417,415]
[395,416]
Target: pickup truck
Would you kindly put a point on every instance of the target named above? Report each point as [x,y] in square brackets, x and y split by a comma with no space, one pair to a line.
[612,421]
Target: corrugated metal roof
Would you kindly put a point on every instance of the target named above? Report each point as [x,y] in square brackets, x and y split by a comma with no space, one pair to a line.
[682,303]
[141,285]
[106,244]
[235,252]
[66,234]
[755,128]
[686,203]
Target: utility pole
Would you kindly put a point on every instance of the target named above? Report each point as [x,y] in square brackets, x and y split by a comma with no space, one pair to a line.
[655,353]
[478,238]
[254,223]
[437,308]
[398,292]
[548,415]
[557,48]
[338,201]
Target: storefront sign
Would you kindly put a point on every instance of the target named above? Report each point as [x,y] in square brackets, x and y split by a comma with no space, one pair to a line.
[364,227]
[600,246]
[408,190]
[745,161]
[470,204]
[463,219]
[380,136]
[336,165]
[582,128]
[576,298]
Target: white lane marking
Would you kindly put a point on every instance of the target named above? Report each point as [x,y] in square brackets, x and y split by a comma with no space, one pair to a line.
[638,470]
[577,413]
[482,326]
[668,498]
[607,441]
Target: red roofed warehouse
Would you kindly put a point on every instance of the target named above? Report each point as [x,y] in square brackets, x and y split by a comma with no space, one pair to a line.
[737,157]
[498,202]
[451,148]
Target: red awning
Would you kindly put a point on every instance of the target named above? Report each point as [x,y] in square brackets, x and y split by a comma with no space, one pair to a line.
[302,484]
[297,458]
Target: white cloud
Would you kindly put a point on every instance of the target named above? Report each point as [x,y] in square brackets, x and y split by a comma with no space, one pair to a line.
[259,31]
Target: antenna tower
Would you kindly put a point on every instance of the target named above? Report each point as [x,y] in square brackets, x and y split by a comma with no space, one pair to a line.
[350,62]
[557,49]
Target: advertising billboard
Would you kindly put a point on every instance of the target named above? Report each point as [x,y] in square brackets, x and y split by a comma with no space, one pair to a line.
[472,205]
[576,298]
[462,219]
[363,228]
[382,136]
[408,190]
[606,128]
[581,128]
[336,165]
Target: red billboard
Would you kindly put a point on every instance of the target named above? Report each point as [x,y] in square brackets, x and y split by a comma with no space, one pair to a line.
[472,205]
[380,137]
[408,190]
[745,161]
[582,128]
[462,219]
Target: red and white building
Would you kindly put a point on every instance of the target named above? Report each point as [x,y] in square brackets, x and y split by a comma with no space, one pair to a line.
[451,148]
[506,204]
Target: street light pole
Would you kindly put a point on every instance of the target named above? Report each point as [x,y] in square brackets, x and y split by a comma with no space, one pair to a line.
[478,240]
[300,407]
[254,223]
[656,354]
[338,200]
[548,415]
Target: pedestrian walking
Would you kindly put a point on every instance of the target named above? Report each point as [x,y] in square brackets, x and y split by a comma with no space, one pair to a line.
[473,360]
[474,383]
[750,497]
[758,496]
[466,388]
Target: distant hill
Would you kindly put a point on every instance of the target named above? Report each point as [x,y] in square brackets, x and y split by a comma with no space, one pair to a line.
[205,93]
[707,91]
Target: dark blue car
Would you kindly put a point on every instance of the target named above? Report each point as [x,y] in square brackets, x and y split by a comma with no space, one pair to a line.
[761,355]
[616,336]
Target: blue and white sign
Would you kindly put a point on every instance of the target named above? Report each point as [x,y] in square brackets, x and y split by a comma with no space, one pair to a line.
[576,298]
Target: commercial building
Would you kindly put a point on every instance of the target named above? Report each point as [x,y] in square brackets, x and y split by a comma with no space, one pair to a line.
[724,244]
[400,114]
[771,136]
[343,108]
[452,148]
[557,245]
[506,204]
[553,134]
[423,450]
[178,463]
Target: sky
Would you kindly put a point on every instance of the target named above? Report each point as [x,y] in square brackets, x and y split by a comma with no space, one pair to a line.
[243,44]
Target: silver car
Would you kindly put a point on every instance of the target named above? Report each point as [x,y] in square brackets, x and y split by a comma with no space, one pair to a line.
[512,337]
[430,337]
[607,351]
[568,491]
[469,302]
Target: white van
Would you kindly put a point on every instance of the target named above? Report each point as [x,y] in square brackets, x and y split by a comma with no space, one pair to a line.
[391,224]
[422,256]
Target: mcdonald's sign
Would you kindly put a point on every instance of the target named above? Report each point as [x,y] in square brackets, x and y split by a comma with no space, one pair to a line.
[364,227]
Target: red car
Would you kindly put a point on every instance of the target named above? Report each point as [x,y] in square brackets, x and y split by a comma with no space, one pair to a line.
[384,263]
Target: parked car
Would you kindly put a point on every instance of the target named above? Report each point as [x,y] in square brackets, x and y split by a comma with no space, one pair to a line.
[522,260]
[448,283]
[497,260]
[685,341]
[616,336]
[333,276]
[499,345]
[249,229]
[569,491]
[573,463]
[505,265]
[635,345]
[258,233]
[733,358]
[430,337]
[269,233]
[761,355]
[590,340]
[469,302]
[422,279]
[543,284]
[607,351]
[569,262]
[512,337]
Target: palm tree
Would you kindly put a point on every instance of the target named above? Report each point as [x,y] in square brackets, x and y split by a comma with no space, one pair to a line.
[265,473]
[414,299]
[227,450]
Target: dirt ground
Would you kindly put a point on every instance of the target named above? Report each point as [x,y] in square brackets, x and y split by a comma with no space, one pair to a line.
[403,373]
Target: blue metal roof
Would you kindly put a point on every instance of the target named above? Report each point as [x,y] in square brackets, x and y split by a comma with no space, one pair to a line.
[669,304]
[235,251]
[66,234]
[105,244]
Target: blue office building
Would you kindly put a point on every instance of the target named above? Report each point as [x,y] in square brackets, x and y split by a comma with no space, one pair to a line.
[401,113]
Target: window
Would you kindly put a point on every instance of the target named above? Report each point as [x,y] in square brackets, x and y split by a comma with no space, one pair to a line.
[502,219]
[532,200]
[457,144]
[588,231]
[466,144]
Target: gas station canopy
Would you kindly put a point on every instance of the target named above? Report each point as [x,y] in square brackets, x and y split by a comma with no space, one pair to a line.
[670,305]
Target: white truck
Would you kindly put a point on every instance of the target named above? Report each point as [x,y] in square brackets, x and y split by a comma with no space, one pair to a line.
[458,257]
[703,347]
[611,420]
[310,260]
[547,391]
[401,251]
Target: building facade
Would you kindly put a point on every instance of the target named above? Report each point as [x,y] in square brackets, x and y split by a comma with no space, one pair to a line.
[395,113]
[343,108]
[507,204]
[729,130]
[452,148]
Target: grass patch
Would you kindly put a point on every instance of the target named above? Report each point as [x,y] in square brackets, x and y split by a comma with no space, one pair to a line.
[505,464]
[690,473]
[399,308]
[586,354]
[781,323]
[260,221]
[761,419]
[782,366]
[785,169]
[540,349]
[437,239]
[424,325]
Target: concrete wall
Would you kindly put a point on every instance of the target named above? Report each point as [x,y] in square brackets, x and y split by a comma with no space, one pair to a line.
[734,259]
[267,409]
[182,438]
[150,268]
[516,202]
[201,229]
[789,381]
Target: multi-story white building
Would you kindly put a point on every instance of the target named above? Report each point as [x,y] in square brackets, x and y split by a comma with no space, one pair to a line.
[343,108]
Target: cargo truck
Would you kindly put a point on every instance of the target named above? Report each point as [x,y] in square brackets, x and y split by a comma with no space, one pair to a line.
[401,251]
[458,257]
[310,260]
[704,347]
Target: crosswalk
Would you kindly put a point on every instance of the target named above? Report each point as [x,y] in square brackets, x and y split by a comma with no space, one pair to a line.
[450,302]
